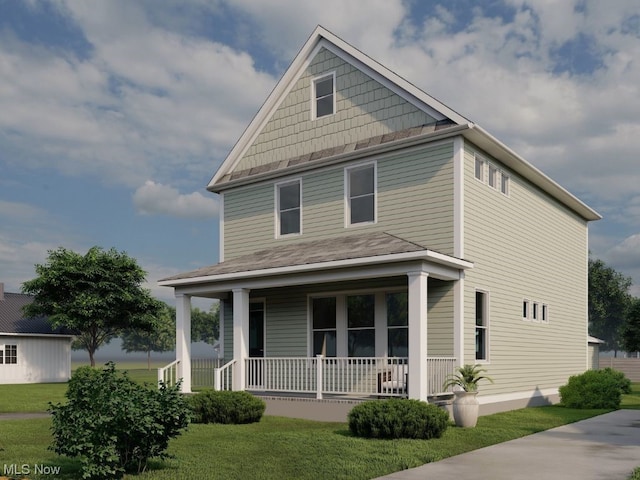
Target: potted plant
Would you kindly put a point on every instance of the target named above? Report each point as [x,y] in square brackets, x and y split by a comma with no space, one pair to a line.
[465,403]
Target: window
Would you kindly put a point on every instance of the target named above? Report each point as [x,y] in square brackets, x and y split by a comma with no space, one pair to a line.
[323,96]
[324,326]
[545,313]
[525,309]
[10,354]
[361,326]
[534,312]
[482,325]
[397,324]
[288,201]
[360,183]
[493,176]
[480,169]
[504,183]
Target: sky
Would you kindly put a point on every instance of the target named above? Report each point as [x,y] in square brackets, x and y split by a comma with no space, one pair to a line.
[114,115]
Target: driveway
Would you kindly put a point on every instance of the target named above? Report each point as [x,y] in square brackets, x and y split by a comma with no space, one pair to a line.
[603,447]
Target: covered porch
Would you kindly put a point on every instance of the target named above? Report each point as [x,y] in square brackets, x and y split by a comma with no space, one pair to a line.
[345,317]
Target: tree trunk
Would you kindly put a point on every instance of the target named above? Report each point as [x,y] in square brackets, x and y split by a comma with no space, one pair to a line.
[92,360]
[148,360]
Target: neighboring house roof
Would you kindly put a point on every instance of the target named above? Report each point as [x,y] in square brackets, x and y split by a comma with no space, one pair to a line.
[591,339]
[347,250]
[449,123]
[12,320]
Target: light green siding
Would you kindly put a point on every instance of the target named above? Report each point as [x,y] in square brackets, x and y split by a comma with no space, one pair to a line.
[525,246]
[364,109]
[415,202]
[287,316]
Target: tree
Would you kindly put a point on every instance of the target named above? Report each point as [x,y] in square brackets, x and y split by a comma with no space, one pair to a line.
[609,300]
[205,326]
[161,339]
[96,296]
[631,329]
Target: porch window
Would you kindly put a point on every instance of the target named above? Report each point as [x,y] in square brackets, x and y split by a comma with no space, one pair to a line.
[324,326]
[361,325]
[398,324]
[288,201]
[482,325]
[360,184]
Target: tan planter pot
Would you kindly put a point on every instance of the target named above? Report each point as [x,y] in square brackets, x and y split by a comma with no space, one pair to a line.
[465,409]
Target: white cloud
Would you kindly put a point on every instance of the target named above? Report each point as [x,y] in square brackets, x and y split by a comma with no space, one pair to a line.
[625,258]
[157,199]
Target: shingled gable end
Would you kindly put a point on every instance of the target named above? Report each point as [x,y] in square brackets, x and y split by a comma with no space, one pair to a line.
[372,238]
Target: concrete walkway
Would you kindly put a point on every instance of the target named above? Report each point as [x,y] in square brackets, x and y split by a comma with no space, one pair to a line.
[606,447]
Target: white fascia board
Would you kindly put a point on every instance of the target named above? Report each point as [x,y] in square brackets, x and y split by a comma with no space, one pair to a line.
[426,255]
[40,335]
[511,159]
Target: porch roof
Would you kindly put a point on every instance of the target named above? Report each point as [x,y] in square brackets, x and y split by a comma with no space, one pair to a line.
[333,253]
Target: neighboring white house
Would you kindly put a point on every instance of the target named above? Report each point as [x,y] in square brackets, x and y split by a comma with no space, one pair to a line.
[30,351]
[372,239]
[594,352]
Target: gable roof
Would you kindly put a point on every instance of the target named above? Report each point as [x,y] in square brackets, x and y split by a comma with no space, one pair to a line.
[12,320]
[448,124]
[322,38]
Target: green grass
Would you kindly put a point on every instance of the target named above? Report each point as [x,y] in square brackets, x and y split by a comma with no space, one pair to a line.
[635,475]
[282,448]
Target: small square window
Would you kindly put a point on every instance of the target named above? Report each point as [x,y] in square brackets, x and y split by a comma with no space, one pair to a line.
[10,354]
[324,96]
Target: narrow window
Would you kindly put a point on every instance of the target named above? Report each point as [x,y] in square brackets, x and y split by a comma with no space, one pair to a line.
[361,325]
[288,199]
[534,312]
[545,313]
[324,96]
[323,311]
[10,354]
[504,183]
[525,309]
[1,357]
[493,176]
[482,325]
[361,194]
[480,169]
[397,325]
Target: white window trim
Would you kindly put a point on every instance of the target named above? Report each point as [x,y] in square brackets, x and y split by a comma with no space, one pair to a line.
[535,312]
[487,325]
[276,187]
[314,81]
[544,313]
[483,168]
[504,176]
[347,199]
[526,301]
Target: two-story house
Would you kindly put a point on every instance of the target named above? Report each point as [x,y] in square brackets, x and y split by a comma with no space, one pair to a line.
[372,239]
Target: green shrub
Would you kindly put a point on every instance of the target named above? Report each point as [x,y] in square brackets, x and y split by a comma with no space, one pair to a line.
[397,418]
[211,406]
[594,389]
[623,381]
[114,424]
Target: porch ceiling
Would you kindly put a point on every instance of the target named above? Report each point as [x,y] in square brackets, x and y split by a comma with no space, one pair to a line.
[348,257]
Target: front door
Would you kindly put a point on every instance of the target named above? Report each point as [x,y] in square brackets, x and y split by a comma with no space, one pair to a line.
[256,329]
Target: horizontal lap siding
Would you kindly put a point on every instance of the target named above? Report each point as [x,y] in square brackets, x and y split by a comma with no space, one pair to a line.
[415,202]
[440,318]
[525,246]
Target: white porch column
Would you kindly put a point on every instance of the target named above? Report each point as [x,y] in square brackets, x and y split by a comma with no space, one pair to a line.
[458,320]
[417,384]
[183,340]
[240,335]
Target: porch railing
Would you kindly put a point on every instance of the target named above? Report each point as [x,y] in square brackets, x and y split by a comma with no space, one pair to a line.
[223,376]
[169,373]
[203,371]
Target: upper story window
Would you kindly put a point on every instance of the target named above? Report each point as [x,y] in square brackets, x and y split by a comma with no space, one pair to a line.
[288,208]
[324,96]
[479,169]
[360,184]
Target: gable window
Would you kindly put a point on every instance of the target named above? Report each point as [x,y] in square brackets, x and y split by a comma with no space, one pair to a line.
[324,96]
[360,183]
[361,331]
[289,212]
[397,324]
[323,311]
[482,325]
